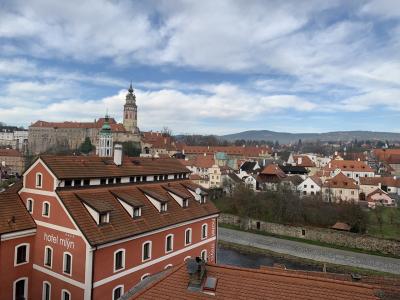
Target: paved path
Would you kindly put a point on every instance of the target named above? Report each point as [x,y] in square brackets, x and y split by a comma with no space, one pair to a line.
[318,253]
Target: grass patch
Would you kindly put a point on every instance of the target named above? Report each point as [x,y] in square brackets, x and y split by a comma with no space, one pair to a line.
[331,268]
[316,243]
[390,228]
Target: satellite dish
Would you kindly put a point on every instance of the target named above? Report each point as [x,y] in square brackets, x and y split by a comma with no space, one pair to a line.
[198,191]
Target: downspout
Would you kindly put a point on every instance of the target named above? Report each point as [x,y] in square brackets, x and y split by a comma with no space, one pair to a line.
[92,283]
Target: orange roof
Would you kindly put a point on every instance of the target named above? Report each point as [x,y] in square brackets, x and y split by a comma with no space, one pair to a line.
[248,151]
[200,161]
[386,180]
[305,161]
[244,283]
[341,226]
[384,154]
[9,152]
[348,165]
[159,141]
[317,180]
[341,181]
[273,169]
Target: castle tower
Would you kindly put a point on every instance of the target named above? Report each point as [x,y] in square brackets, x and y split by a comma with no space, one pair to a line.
[105,147]
[130,112]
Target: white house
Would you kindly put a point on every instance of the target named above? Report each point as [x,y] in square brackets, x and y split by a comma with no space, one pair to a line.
[310,186]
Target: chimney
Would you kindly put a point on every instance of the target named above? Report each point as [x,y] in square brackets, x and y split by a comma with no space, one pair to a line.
[197,270]
[299,160]
[118,154]
[329,165]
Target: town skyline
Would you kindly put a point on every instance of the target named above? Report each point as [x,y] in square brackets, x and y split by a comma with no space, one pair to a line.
[227,70]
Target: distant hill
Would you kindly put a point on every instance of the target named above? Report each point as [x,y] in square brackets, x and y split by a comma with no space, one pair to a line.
[286,137]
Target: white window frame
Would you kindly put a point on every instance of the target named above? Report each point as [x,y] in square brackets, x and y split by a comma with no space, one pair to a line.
[201,254]
[114,289]
[202,226]
[41,180]
[168,266]
[30,200]
[49,211]
[45,257]
[186,258]
[150,250]
[64,262]
[16,251]
[123,259]
[25,288]
[66,292]
[172,243]
[43,294]
[190,236]
[144,276]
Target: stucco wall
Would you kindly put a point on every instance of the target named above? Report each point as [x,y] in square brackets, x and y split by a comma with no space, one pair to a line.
[340,238]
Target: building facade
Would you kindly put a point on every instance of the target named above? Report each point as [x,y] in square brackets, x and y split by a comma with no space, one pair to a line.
[105,224]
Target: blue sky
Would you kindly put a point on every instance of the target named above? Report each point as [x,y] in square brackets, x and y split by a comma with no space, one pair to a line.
[204,66]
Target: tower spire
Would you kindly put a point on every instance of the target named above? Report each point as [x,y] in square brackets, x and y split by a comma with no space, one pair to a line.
[130,90]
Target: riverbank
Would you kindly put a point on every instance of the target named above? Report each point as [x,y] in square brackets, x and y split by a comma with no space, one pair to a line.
[293,262]
[311,252]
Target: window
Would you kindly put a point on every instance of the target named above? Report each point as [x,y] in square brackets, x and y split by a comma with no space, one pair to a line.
[103,181]
[118,180]
[312,186]
[46,295]
[137,212]
[48,256]
[188,236]
[169,243]
[305,185]
[303,232]
[20,289]
[185,203]
[131,179]
[163,207]
[304,192]
[86,182]
[46,209]
[117,292]
[146,251]
[104,218]
[65,295]
[168,266]
[39,179]
[21,254]
[68,183]
[204,231]
[67,263]
[77,182]
[29,205]
[145,276]
[352,192]
[119,260]
[204,255]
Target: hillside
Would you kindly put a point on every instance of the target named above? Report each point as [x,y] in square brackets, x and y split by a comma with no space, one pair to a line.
[285,137]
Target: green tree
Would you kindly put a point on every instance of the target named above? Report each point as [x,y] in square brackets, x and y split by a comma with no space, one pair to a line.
[86,147]
[131,148]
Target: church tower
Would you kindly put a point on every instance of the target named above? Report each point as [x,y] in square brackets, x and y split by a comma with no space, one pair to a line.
[105,147]
[130,112]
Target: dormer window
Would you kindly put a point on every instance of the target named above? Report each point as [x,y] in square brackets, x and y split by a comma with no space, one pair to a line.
[104,218]
[185,203]
[159,201]
[163,207]
[137,212]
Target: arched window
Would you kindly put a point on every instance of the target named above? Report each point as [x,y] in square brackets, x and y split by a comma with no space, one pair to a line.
[146,251]
[46,294]
[65,295]
[204,228]
[118,291]
[21,255]
[39,180]
[169,243]
[46,209]
[67,263]
[204,255]
[29,205]
[186,258]
[48,256]
[145,276]
[188,236]
[20,289]
[168,266]
[119,260]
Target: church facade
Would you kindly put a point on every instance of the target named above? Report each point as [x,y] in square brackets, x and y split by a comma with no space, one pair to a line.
[58,136]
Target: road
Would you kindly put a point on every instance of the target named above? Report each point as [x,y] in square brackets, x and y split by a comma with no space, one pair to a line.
[318,253]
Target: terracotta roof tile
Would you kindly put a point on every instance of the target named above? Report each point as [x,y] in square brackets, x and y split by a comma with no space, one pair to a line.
[348,165]
[241,283]
[341,181]
[10,152]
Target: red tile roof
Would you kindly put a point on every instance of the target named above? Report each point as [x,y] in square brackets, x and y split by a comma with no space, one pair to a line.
[69,167]
[273,169]
[243,283]
[68,124]
[10,152]
[386,180]
[305,161]
[341,181]
[13,213]
[348,165]
[159,141]
[248,151]
[385,154]
[316,179]
[121,223]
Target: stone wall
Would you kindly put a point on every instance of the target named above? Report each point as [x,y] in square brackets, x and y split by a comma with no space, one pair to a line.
[329,236]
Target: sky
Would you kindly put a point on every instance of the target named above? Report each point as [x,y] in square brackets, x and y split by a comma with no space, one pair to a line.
[208,67]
